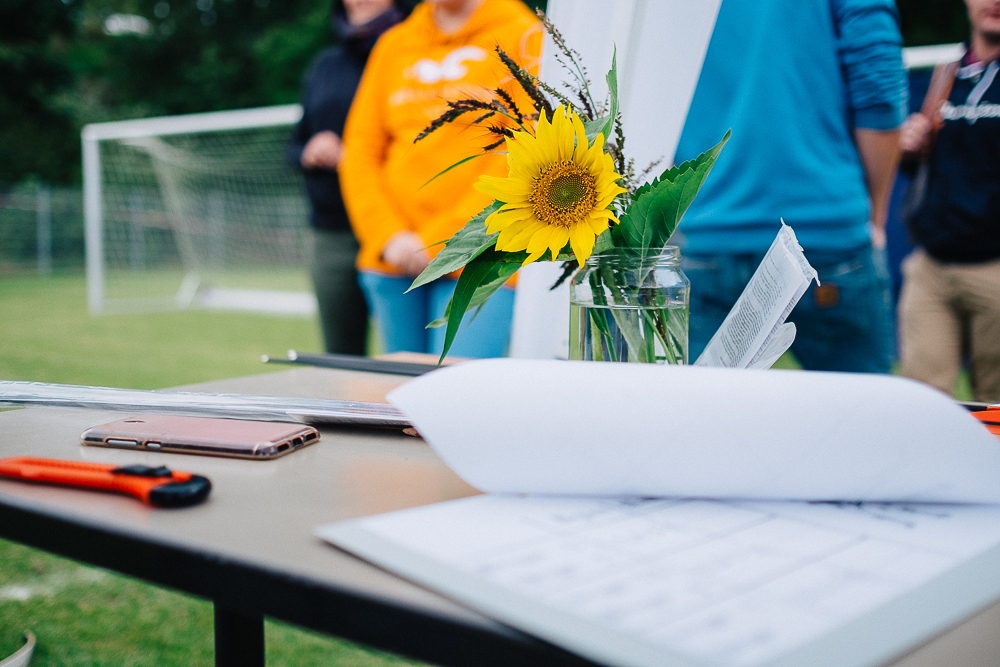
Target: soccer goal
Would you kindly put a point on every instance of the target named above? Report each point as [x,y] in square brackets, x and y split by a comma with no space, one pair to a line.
[195,211]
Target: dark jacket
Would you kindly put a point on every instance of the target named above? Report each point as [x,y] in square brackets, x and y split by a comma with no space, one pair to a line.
[327,91]
[958,219]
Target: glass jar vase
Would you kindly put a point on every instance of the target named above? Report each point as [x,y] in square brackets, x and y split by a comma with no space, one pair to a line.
[630,305]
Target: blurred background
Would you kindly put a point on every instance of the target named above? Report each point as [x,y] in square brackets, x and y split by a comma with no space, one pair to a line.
[65,64]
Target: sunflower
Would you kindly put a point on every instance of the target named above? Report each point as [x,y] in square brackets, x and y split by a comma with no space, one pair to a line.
[558,190]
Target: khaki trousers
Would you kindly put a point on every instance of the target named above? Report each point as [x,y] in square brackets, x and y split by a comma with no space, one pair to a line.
[947,313]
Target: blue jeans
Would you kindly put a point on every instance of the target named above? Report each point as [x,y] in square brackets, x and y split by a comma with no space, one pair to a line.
[402,318]
[845,325]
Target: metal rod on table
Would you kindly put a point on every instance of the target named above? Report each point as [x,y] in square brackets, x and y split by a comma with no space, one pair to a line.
[353,363]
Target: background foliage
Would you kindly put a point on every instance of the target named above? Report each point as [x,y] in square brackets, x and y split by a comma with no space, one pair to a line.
[61,69]
[933,21]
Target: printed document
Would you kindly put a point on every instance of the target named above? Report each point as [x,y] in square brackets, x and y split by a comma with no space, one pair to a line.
[645,582]
[686,516]
[755,334]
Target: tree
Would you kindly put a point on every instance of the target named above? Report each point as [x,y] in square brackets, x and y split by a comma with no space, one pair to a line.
[201,55]
[66,63]
[37,132]
[933,21]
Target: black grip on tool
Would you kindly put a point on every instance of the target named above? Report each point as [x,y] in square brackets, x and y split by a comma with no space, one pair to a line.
[181,494]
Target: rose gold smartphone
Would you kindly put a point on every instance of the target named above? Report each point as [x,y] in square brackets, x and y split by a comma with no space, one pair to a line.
[202,435]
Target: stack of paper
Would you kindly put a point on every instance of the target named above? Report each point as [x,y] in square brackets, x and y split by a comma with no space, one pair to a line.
[648,516]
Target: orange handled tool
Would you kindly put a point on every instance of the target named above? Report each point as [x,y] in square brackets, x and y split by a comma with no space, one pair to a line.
[158,486]
[990,418]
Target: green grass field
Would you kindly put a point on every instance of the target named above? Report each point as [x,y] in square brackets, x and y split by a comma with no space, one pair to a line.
[84,616]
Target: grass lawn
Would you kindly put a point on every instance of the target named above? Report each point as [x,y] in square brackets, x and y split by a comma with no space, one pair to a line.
[84,616]
[47,335]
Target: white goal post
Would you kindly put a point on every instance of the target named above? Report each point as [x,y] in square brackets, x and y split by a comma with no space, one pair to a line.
[197,210]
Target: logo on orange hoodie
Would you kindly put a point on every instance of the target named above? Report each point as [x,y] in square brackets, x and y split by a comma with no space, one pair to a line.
[450,68]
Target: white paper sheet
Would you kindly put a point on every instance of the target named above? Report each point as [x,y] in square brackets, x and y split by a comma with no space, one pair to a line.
[776,345]
[644,583]
[563,427]
[753,329]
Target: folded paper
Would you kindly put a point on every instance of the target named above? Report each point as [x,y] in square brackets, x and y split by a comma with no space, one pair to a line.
[584,428]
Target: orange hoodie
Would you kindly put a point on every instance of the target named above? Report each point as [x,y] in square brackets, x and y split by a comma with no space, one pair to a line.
[413,69]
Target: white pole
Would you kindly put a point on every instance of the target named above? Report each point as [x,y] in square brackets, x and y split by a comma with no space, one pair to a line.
[93,213]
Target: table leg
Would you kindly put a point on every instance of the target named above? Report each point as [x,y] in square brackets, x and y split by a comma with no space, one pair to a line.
[239,638]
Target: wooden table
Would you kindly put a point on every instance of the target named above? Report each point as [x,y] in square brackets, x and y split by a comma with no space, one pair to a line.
[250,547]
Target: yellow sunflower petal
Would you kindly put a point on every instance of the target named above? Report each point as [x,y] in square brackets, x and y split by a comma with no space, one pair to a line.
[522,239]
[606,180]
[528,149]
[504,189]
[609,197]
[562,134]
[533,257]
[521,159]
[493,219]
[581,238]
[506,235]
[591,157]
[558,240]
[499,220]
[580,134]
[544,142]
[515,239]
[599,224]
[604,214]
[540,241]
[607,163]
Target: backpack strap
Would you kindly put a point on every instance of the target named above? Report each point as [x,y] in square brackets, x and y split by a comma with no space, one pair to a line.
[938,91]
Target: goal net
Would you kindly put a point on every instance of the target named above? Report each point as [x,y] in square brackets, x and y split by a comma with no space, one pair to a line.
[195,211]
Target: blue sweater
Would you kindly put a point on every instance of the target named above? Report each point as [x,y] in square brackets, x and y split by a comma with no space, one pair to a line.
[792,78]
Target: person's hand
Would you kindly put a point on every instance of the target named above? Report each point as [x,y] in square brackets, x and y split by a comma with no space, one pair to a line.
[405,251]
[323,151]
[878,237]
[916,131]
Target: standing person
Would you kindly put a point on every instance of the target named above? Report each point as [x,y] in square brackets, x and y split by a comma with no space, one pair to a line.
[444,51]
[950,302]
[814,91]
[317,149]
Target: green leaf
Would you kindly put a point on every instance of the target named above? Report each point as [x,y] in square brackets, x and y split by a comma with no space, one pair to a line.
[605,124]
[603,243]
[595,127]
[612,79]
[460,249]
[657,207]
[481,277]
[485,290]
